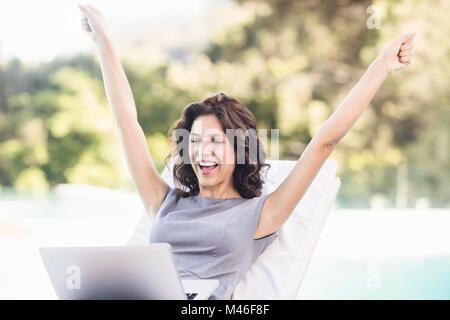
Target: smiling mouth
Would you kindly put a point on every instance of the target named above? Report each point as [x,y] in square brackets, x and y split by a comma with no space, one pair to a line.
[207,169]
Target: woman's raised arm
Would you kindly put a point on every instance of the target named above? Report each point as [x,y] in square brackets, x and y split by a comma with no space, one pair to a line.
[150,186]
[281,202]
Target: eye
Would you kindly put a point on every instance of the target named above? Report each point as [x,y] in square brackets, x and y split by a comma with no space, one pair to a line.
[218,141]
[195,140]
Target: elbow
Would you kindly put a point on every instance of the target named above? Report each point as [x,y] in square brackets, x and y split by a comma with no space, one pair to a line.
[327,136]
[331,144]
[327,143]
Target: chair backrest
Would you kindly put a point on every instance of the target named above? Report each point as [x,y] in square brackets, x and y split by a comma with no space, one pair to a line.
[279,271]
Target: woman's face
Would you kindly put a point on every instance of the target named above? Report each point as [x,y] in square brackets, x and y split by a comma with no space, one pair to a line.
[211,154]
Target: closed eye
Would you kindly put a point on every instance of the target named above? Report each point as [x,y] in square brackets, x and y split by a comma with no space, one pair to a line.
[214,141]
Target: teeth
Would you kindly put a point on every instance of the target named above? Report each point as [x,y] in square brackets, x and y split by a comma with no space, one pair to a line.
[207,164]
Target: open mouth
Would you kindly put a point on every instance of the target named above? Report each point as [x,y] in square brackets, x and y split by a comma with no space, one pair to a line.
[207,169]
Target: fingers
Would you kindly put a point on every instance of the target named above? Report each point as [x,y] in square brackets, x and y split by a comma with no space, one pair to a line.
[85,24]
[89,10]
[408,37]
[84,17]
[405,53]
[93,9]
[83,8]
[405,59]
[409,40]
[406,48]
[405,56]
[90,17]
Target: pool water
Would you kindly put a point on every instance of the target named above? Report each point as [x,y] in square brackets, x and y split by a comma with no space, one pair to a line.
[360,255]
[393,278]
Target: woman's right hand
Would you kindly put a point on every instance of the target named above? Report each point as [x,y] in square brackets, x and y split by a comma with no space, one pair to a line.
[93,23]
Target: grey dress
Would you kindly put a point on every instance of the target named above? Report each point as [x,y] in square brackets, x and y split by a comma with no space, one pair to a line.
[211,238]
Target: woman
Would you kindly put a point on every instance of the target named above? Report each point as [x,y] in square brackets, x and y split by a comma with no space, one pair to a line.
[216,219]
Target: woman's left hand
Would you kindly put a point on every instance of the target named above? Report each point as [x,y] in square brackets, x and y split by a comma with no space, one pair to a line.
[397,55]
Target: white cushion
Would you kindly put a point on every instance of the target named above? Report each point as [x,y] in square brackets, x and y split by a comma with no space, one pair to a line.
[279,271]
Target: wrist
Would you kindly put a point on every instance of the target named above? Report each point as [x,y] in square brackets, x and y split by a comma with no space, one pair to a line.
[103,40]
[379,69]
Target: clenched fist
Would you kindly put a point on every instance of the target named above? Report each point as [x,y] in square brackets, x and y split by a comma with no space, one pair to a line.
[398,54]
[92,22]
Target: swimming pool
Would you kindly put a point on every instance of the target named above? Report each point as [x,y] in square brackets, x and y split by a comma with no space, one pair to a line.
[402,278]
[361,254]
[381,254]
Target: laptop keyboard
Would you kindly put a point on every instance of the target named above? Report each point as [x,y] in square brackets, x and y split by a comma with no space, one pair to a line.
[191,296]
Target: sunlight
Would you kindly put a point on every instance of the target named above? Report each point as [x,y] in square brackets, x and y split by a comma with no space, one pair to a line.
[40,30]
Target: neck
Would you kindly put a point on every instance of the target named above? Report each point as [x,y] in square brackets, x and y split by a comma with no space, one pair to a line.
[218,192]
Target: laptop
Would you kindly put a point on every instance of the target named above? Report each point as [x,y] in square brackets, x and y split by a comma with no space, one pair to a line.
[139,272]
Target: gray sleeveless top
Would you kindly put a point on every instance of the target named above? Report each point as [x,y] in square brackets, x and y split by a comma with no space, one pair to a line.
[211,238]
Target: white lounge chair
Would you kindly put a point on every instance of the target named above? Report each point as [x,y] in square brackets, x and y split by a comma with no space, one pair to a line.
[279,271]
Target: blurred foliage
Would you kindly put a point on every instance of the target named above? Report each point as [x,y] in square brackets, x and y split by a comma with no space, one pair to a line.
[290,62]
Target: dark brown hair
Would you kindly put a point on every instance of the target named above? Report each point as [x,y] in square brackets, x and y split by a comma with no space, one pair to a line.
[232,114]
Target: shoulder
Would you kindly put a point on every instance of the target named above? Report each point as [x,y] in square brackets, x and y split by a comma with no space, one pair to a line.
[248,211]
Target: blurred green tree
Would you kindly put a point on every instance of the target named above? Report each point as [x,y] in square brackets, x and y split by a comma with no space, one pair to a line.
[290,62]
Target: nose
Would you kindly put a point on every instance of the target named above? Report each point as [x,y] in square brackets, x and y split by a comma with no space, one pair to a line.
[207,149]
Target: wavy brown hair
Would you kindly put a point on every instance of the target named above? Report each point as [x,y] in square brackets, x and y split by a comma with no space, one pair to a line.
[232,114]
